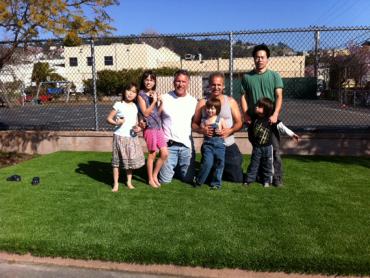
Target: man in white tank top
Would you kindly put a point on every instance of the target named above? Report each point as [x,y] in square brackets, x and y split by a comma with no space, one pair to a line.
[231,113]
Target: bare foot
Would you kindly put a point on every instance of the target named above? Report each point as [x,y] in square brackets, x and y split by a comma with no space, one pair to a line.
[130,186]
[156,182]
[153,184]
[115,188]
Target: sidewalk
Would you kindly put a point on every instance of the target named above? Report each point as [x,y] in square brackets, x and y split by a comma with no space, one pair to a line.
[28,266]
[27,270]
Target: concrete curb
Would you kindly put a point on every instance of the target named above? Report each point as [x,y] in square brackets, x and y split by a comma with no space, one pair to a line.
[171,270]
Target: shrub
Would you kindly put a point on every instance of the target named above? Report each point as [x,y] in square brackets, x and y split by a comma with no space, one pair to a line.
[111,83]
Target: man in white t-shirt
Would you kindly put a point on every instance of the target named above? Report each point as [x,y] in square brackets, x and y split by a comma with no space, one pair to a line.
[177,112]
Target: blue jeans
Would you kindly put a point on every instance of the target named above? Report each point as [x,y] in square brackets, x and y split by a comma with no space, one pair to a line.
[213,155]
[261,163]
[233,170]
[180,163]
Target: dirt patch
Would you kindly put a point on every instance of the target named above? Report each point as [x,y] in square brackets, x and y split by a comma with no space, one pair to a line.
[9,159]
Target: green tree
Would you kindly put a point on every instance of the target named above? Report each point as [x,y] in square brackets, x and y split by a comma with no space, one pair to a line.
[43,71]
[22,21]
[351,65]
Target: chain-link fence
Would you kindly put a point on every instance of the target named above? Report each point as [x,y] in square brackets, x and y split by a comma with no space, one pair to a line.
[326,74]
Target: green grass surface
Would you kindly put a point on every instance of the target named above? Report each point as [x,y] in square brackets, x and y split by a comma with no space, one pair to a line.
[319,222]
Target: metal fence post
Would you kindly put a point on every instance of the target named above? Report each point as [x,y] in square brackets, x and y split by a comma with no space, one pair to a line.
[317,47]
[231,63]
[93,69]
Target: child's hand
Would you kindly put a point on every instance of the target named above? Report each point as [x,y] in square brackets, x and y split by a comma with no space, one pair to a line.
[154,96]
[120,121]
[159,98]
[142,124]
[136,128]
[208,130]
[295,137]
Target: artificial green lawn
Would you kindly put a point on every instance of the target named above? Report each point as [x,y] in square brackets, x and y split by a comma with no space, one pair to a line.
[319,222]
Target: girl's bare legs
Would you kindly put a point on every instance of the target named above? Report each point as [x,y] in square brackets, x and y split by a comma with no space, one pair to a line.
[163,155]
[115,179]
[129,179]
[150,162]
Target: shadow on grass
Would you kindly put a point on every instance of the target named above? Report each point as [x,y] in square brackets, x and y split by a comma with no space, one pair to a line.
[98,170]
[102,172]
[343,160]
[140,174]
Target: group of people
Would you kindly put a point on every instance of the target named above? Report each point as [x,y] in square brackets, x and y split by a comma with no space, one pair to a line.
[167,122]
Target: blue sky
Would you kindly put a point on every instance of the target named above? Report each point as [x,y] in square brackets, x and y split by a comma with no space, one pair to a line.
[199,16]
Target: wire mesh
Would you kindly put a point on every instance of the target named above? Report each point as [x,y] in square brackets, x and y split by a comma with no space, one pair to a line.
[326,75]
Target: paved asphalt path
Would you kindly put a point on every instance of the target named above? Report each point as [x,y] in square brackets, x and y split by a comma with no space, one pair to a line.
[297,114]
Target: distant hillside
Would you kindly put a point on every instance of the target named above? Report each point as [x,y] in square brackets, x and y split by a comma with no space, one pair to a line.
[213,48]
[208,48]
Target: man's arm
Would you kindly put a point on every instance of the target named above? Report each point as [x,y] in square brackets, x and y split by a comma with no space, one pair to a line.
[223,124]
[244,101]
[244,105]
[278,105]
[237,119]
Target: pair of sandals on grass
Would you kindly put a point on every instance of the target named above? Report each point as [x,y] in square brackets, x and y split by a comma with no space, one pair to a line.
[35,180]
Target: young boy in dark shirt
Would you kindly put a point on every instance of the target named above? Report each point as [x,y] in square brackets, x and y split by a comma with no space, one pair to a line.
[260,137]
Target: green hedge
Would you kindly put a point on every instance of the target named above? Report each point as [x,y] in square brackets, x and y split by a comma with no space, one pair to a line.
[111,83]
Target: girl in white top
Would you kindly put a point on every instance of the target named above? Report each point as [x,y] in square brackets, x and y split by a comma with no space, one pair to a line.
[127,150]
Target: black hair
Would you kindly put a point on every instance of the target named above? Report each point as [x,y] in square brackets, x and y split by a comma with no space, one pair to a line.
[146,74]
[259,48]
[128,87]
[267,105]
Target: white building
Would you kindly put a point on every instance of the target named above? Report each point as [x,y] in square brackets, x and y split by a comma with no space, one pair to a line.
[116,56]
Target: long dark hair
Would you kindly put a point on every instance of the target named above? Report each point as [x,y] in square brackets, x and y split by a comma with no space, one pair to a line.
[146,74]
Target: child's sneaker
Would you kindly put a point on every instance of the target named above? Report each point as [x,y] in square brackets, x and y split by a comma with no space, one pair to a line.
[245,182]
[277,184]
[195,183]
[266,184]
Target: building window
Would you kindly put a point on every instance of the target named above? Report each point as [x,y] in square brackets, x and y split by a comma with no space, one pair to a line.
[73,62]
[108,60]
[89,61]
